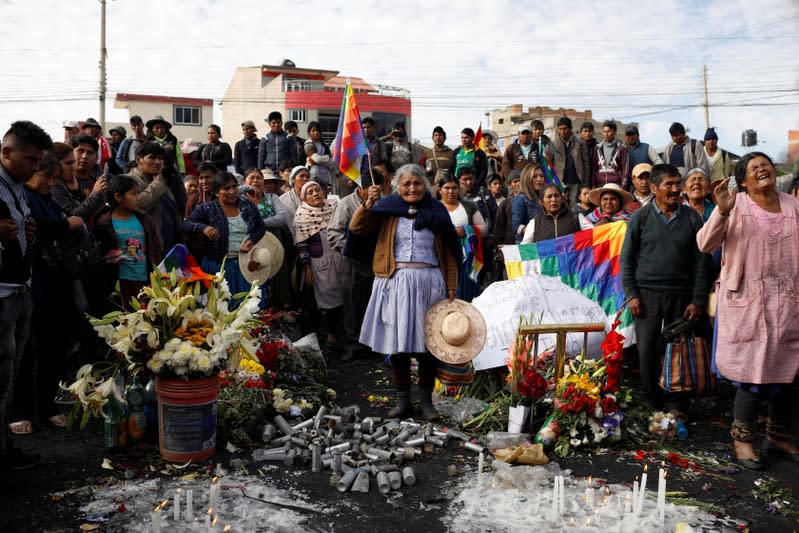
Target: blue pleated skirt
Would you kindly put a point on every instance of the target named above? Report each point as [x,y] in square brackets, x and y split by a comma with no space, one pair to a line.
[394,321]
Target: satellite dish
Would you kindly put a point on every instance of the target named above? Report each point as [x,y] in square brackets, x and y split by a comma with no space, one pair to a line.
[287,63]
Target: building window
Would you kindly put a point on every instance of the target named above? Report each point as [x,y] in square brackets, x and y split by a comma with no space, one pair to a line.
[188,115]
[298,115]
[502,121]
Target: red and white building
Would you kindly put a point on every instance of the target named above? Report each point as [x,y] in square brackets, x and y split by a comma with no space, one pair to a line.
[305,95]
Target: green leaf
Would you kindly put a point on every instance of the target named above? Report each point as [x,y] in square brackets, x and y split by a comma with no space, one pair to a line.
[84,421]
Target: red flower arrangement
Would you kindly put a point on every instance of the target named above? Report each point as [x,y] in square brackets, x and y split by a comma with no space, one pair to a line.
[612,348]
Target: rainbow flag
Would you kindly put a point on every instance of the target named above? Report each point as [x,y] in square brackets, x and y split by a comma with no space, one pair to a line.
[349,146]
[180,260]
[548,165]
[587,261]
[472,245]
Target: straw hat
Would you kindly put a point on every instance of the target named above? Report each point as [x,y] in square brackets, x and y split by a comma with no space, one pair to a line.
[596,194]
[454,332]
[268,253]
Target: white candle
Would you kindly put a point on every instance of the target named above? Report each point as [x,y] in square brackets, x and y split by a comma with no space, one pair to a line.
[480,459]
[642,491]
[189,505]
[628,505]
[208,518]
[590,497]
[156,517]
[214,493]
[662,495]
[177,504]
[562,496]
[555,487]
[635,496]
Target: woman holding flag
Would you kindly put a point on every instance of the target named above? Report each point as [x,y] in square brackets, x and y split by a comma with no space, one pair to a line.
[470,227]
[416,254]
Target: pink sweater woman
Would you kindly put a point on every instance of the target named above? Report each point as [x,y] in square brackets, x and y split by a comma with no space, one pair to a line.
[757,345]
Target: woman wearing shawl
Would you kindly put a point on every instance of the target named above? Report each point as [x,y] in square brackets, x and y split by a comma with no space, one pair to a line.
[466,218]
[230,224]
[416,258]
[317,263]
[610,198]
[291,200]
[527,203]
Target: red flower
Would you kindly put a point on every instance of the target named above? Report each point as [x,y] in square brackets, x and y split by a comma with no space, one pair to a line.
[608,405]
[640,455]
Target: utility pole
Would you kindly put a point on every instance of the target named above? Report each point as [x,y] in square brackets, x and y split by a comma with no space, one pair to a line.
[103,54]
[706,104]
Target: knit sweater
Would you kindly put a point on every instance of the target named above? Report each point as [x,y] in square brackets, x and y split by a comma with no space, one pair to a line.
[664,258]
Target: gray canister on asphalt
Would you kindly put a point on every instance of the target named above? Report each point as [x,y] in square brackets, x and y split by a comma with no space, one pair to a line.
[395,480]
[383,484]
[361,483]
[408,476]
[316,458]
[337,462]
[284,426]
[268,433]
[346,481]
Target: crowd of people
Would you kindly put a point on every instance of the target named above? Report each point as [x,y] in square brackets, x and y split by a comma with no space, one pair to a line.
[83,223]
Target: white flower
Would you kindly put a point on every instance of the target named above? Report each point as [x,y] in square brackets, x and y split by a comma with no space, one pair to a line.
[575,442]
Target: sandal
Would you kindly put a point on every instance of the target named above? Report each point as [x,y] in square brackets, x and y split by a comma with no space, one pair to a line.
[772,448]
[21,427]
[59,421]
[752,464]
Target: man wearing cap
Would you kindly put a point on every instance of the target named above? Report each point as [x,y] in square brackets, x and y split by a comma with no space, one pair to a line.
[571,159]
[127,149]
[215,151]
[611,159]
[638,151]
[70,130]
[642,187]
[118,135]
[439,156]
[277,146]
[718,160]
[159,133]
[683,152]
[105,153]
[521,153]
[399,149]
[663,274]
[245,152]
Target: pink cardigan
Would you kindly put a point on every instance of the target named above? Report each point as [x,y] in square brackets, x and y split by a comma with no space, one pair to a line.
[758,316]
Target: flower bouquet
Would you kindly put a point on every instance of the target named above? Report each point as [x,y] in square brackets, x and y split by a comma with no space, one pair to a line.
[175,331]
[588,402]
[528,380]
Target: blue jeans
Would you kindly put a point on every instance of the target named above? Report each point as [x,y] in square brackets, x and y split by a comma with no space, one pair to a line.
[15,321]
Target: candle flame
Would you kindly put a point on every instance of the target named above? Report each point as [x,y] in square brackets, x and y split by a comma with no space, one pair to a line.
[589,481]
[215,520]
[210,511]
[162,505]
[607,490]
[665,474]
[214,480]
[646,468]
[227,528]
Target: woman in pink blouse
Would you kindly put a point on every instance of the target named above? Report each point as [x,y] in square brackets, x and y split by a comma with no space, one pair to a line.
[757,344]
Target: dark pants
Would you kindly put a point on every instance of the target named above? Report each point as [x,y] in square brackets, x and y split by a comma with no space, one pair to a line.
[15,321]
[660,307]
[401,370]
[357,291]
[746,409]
[573,190]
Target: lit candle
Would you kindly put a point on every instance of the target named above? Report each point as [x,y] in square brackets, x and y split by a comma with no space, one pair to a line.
[214,494]
[562,496]
[189,505]
[662,495]
[208,517]
[635,495]
[642,491]
[156,516]
[177,504]
[628,505]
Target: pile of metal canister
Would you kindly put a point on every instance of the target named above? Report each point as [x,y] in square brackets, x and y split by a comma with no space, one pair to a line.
[356,450]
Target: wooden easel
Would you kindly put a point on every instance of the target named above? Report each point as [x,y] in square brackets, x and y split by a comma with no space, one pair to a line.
[561,330]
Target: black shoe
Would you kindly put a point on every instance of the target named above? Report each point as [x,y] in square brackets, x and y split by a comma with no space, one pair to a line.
[17,459]
[775,450]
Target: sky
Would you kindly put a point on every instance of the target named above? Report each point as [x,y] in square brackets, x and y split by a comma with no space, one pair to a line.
[632,61]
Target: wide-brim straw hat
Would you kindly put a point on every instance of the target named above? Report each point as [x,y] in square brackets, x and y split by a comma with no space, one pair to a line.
[268,253]
[596,194]
[454,332]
